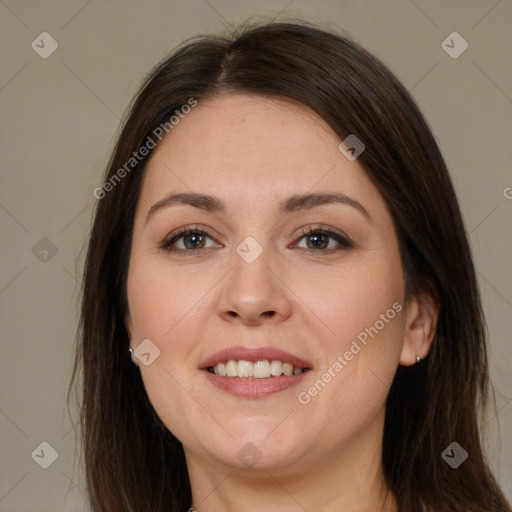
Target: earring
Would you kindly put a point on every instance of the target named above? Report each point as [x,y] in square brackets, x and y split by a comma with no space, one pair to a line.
[418,359]
[134,360]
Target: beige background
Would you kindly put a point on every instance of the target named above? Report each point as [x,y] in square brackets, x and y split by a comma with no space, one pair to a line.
[60,115]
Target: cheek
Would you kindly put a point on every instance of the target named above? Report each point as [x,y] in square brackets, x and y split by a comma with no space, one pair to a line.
[347,299]
[162,300]
[361,309]
[165,307]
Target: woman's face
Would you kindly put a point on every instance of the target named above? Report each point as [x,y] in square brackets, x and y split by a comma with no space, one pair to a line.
[260,278]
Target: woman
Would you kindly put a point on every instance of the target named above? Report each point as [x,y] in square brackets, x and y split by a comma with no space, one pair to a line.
[278,246]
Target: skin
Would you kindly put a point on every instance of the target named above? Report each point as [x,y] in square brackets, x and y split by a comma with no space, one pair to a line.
[252,153]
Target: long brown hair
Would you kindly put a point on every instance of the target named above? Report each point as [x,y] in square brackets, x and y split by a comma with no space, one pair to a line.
[132,462]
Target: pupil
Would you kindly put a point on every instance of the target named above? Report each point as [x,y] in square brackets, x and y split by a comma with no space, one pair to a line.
[194,237]
[317,238]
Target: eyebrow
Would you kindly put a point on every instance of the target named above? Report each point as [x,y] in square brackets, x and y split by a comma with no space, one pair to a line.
[291,204]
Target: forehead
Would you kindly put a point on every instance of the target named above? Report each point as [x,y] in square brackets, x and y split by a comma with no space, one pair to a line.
[252,148]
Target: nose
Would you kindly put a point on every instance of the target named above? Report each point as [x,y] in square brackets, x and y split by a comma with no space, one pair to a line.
[254,294]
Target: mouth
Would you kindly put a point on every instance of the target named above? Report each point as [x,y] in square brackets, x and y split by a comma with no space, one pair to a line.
[254,373]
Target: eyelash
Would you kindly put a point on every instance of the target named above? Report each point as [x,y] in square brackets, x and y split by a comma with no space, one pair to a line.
[343,241]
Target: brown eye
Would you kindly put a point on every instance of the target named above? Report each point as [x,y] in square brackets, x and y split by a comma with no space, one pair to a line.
[324,240]
[194,241]
[187,240]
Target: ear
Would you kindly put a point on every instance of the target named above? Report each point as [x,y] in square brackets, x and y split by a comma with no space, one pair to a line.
[421,314]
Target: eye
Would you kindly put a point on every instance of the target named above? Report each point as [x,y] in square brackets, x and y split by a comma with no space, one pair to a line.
[319,239]
[187,240]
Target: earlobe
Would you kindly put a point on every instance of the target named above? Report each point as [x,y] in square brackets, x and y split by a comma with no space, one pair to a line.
[421,314]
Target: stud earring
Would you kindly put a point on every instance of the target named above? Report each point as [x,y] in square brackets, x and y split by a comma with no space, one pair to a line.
[418,359]
[134,360]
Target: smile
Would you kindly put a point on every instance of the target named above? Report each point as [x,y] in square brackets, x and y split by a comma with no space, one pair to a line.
[264,369]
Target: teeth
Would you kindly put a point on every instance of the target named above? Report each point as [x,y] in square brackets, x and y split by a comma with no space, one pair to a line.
[231,369]
[261,369]
[258,370]
[245,369]
[276,368]
[220,369]
[287,369]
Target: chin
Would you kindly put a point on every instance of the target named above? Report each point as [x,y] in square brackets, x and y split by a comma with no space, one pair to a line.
[254,450]
[254,456]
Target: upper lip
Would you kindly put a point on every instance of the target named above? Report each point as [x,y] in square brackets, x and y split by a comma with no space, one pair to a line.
[254,354]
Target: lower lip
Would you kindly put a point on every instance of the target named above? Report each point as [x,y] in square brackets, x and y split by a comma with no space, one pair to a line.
[253,388]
